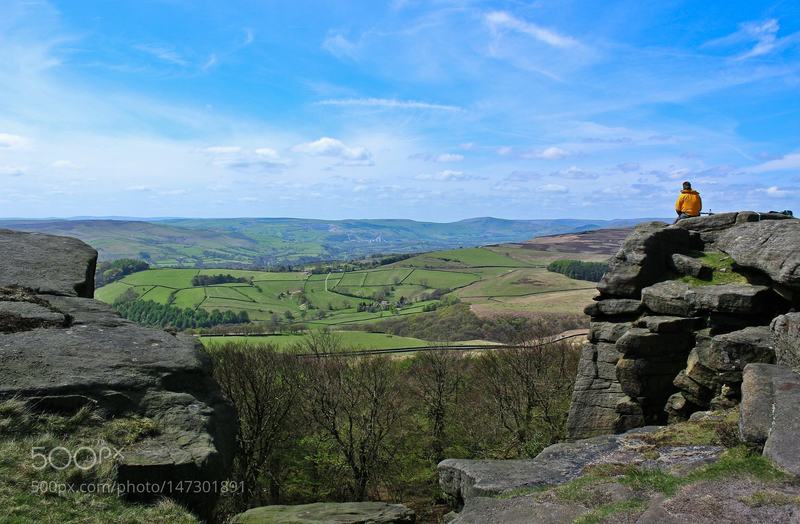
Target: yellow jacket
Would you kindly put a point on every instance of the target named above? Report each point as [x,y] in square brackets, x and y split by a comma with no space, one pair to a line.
[689,202]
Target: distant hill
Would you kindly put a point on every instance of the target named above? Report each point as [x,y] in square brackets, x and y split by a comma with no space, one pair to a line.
[264,242]
[600,241]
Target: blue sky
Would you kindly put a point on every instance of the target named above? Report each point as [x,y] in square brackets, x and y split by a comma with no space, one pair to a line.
[431,110]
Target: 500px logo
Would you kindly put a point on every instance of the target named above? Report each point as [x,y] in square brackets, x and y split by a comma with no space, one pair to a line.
[83,457]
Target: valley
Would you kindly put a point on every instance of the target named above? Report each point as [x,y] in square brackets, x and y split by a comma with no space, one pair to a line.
[491,281]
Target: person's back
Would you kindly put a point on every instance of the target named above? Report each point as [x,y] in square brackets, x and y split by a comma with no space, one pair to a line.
[689,203]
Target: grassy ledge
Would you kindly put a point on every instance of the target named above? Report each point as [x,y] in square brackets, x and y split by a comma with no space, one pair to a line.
[31,495]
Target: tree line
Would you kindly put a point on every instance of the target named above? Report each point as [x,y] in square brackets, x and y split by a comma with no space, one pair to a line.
[153,314]
[314,426]
[579,270]
[210,280]
[108,272]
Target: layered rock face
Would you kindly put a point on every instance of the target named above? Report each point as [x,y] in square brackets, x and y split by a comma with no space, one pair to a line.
[60,350]
[665,341]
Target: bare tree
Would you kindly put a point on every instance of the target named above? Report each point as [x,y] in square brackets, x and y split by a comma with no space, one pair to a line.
[354,402]
[529,388]
[262,385]
[437,377]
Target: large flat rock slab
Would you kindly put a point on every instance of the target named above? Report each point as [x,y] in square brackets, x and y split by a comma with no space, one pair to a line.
[47,263]
[328,513]
[464,479]
[770,246]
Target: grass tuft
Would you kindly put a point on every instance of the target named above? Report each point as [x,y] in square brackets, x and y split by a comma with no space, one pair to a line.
[614,508]
[723,270]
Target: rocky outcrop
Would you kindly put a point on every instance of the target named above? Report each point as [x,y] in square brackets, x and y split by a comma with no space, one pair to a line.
[666,341]
[328,513]
[769,414]
[643,258]
[786,329]
[47,264]
[767,246]
[499,490]
[60,350]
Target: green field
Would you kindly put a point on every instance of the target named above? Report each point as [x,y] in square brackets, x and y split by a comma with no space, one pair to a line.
[351,339]
[493,280]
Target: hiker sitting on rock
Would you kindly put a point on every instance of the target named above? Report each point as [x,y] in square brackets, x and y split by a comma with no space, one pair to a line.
[689,203]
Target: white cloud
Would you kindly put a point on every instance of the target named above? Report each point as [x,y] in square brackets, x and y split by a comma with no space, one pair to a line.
[139,189]
[249,37]
[762,34]
[173,192]
[9,141]
[504,150]
[551,153]
[449,157]
[790,161]
[211,62]
[65,164]
[333,147]
[450,174]
[390,103]
[628,167]
[776,192]
[503,20]
[522,176]
[267,152]
[12,170]
[238,158]
[163,53]
[575,173]
[339,46]
[222,150]
[552,188]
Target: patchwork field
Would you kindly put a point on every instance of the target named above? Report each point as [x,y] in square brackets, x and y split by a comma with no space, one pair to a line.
[504,279]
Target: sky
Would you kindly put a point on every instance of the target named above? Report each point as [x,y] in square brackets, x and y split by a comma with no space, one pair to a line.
[430,110]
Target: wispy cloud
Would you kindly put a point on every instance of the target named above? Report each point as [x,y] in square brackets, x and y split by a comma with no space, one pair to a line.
[575,173]
[210,62]
[65,164]
[12,170]
[241,159]
[552,188]
[163,53]
[390,103]
[762,35]
[498,20]
[249,37]
[786,162]
[340,46]
[9,141]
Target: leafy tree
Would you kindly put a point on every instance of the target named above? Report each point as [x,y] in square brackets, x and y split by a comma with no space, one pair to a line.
[108,272]
[578,269]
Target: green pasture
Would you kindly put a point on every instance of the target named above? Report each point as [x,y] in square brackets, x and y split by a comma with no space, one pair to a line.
[490,280]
